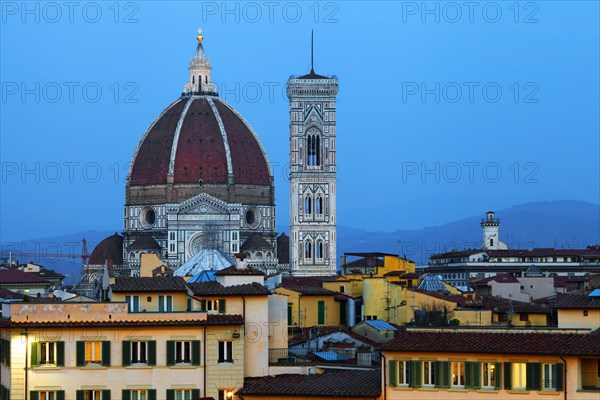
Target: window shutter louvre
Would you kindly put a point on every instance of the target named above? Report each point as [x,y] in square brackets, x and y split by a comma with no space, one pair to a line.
[128,301]
[169,303]
[35,351]
[106,353]
[106,394]
[468,375]
[533,376]
[80,355]
[476,375]
[171,394]
[409,373]
[446,374]
[558,381]
[60,354]
[392,373]
[33,395]
[195,352]
[151,352]
[126,394]
[80,395]
[498,369]
[202,305]
[195,394]
[170,352]
[437,373]
[60,394]
[507,376]
[222,306]
[161,300]
[126,353]
[417,373]
[151,394]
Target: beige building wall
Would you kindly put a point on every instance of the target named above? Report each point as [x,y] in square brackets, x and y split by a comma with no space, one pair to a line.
[220,376]
[576,318]
[571,383]
[149,301]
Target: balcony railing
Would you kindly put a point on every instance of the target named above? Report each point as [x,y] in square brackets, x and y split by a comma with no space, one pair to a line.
[590,380]
[291,356]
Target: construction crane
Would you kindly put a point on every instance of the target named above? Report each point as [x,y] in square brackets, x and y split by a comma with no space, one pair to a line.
[84,254]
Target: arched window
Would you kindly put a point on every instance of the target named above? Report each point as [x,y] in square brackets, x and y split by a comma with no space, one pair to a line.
[313,142]
[307,205]
[307,249]
[320,249]
[319,205]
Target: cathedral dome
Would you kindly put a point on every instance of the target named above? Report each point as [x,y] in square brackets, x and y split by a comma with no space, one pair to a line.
[199,140]
[109,249]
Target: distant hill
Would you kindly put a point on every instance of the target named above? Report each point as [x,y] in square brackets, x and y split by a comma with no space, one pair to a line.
[561,224]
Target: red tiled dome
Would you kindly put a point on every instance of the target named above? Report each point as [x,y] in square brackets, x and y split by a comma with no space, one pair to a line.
[110,248]
[199,140]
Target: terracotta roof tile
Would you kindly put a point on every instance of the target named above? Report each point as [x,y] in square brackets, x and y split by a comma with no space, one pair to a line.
[147,284]
[216,289]
[233,270]
[14,276]
[349,383]
[578,301]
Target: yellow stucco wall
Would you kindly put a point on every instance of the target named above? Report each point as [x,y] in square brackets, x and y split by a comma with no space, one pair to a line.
[305,308]
[575,318]
[572,380]
[149,301]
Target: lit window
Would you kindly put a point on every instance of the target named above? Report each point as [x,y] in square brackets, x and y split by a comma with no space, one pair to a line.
[92,395]
[47,353]
[458,374]
[139,395]
[428,373]
[47,395]
[226,352]
[488,374]
[93,352]
[402,372]
[225,394]
[519,375]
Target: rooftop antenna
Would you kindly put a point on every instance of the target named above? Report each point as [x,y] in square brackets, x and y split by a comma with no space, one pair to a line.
[312,50]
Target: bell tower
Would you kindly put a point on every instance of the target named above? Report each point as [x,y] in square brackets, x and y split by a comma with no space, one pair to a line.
[312,173]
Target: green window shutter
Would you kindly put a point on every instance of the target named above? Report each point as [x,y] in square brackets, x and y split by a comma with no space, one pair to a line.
[559,379]
[33,395]
[189,305]
[195,394]
[321,312]
[392,373]
[507,376]
[446,374]
[80,395]
[60,354]
[476,375]
[60,395]
[343,316]
[169,303]
[106,353]
[151,394]
[437,373]
[126,354]
[35,351]
[417,372]
[128,301]
[534,376]
[126,395]
[161,300]
[80,353]
[106,394]
[409,373]
[202,305]
[171,394]
[498,369]
[468,375]
[222,305]
[195,352]
[170,352]
[290,316]
[151,352]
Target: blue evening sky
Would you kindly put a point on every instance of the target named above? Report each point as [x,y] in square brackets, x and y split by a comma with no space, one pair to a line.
[446,109]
